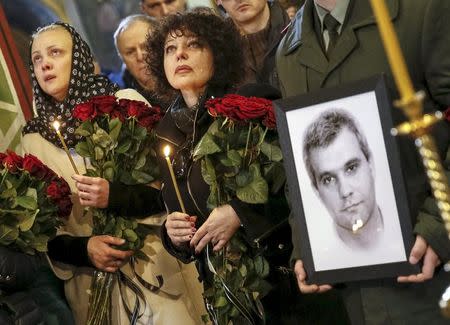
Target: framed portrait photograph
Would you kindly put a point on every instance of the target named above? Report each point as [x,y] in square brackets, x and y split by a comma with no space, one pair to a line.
[346,188]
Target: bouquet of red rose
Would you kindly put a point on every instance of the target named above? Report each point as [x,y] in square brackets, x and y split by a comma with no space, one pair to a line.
[33,199]
[118,139]
[240,157]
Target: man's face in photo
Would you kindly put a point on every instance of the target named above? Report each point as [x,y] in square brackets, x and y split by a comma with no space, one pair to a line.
[161,8]
[345,180]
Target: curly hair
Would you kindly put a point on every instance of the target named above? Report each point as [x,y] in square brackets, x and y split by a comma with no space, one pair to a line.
[219,34]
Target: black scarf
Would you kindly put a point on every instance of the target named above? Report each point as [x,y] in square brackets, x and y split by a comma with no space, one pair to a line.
[84,84]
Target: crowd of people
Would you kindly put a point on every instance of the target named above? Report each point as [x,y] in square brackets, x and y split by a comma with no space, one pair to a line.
[177,59]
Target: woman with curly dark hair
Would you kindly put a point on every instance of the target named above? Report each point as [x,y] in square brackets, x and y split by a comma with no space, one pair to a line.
[201,56]
[200,29]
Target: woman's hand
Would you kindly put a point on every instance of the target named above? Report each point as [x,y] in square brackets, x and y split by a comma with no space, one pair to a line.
[92,191]
[180,227]
[103,256]
[221,224]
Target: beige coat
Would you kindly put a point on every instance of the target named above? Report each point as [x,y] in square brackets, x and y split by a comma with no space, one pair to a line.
[179,301]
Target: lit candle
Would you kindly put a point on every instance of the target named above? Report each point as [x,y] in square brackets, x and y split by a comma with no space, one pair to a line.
[56,125]
[174,180]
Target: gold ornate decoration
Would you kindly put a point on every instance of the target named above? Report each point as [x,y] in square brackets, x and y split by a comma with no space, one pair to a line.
[418,125]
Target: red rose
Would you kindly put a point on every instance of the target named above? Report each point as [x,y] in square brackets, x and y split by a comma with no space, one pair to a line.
[54,191]
[50,175]
[104,104]
[254,108]
[270,121]
[12,162]
[121,110]
[239,108]
[64,187]
[447,114]
[133,109]
[84,111]
[34,166]
[64,207]
[150,117]
[2,159]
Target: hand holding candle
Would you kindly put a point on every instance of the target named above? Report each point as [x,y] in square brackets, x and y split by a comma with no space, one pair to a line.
[56,125]
[174,180]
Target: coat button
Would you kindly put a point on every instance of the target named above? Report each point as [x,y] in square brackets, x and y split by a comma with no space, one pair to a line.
[280,246]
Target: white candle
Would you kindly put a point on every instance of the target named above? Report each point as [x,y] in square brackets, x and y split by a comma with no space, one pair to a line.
[56,125]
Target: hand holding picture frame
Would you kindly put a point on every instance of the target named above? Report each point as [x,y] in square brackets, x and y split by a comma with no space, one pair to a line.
[345,183]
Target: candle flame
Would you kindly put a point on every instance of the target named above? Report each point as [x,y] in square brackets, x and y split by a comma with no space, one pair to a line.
[56,125]
[166,151]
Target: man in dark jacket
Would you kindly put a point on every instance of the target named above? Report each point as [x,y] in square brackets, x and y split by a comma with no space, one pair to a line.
[261,24]
[315,54]
[130,42]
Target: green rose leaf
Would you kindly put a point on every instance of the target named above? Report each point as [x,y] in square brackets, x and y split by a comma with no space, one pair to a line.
[9,193]
[40,243]
[82,149]
[261,266]
[118,233]
[109,174]
[243,178]
[243,270]
[221,302]
[272,152]
[27,202]
[206,146]
[139,132]
[256,191]
[28,222]
[235,157]
[114,128]
[102,138]
[141,160]
[124,146]
[130,235]
[85,129]
[142,177]
[215,129]
[110,226]
[275,175]
[208,171]
[8,234]
[99,153]
[92,173]
[213,198]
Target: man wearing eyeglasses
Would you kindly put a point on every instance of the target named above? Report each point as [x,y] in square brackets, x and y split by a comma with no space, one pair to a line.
[161,8]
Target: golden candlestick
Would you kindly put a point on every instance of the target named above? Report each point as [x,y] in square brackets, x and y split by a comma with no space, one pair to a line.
[174,180]
[418,124]
[56,125]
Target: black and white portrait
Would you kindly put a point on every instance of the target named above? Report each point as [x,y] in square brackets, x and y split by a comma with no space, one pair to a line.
[345,182]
